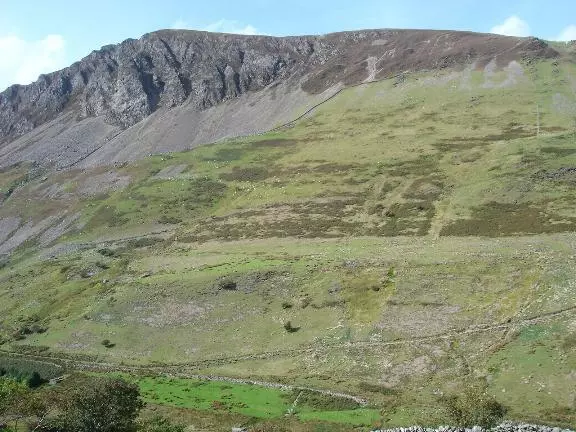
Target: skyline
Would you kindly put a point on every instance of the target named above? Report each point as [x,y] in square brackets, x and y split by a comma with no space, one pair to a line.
[43,37]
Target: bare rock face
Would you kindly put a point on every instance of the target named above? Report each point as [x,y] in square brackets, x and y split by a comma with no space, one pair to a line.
[124,84]
[127,82]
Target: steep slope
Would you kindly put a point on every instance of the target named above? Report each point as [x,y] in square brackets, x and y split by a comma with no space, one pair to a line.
[172,90]
[418,234]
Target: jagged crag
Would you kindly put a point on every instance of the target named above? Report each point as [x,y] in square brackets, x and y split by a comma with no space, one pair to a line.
[80,112]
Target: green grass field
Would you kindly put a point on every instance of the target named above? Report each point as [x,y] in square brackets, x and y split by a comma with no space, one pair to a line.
[248,400]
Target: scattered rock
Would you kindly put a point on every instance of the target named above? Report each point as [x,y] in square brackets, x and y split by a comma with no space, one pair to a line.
[504,427]
[335,287]
[227,285]
[564,173]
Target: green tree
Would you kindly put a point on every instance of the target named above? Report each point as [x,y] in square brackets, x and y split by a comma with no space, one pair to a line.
[35,380]
[97,404]
[18,402]
[11,391]
[34,407]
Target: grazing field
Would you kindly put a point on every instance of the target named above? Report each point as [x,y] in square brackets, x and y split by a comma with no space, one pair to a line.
[254,401]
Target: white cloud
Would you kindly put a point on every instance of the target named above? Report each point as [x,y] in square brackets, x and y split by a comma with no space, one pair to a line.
[179,24]
[512,26]
[568,34]
[222,26]
[228,26]
[23,61]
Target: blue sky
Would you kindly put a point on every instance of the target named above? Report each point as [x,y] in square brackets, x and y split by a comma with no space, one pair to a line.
[39,36]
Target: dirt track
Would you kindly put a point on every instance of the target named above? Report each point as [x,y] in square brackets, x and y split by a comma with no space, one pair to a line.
[183,370]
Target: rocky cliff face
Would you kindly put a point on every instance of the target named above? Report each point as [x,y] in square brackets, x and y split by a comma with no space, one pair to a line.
[127,82]
[124,84]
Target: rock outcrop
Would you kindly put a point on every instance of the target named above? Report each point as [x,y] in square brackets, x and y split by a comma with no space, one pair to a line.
[121,85]
[504,427]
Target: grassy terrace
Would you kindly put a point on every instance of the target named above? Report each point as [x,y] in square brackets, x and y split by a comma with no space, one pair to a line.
[254,401]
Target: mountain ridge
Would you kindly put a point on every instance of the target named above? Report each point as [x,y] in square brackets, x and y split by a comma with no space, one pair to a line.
[78,110]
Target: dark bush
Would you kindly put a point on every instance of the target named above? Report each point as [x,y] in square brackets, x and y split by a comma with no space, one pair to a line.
[204,192]
[227,284]
[107,252]
[107,343]
[37,328]
[97,404]
[473,407]
[290,328]
[35,380]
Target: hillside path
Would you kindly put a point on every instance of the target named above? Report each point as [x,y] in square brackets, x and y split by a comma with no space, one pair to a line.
[185,370]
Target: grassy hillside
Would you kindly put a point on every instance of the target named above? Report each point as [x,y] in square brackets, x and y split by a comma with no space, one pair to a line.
[418,234]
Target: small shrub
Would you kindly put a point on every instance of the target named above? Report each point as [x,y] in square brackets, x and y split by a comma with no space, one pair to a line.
[107,343]
[227,284]
[286,305]
[169,220]
[106,252]
[35,380]
[290,328]
[38,329]
[204,192]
